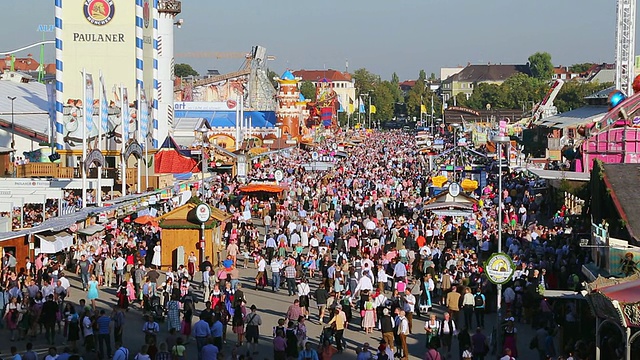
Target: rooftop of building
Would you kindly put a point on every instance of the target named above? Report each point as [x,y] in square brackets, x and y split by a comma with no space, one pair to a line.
[489,72]
[319,75]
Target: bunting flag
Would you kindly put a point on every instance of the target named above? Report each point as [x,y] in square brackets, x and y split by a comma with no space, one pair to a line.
[351,108]
[143,110]
[88,102]
[326,115]
[372,109]
[104,108]
[340,108]
[361,106]
[125,116]
[423,109]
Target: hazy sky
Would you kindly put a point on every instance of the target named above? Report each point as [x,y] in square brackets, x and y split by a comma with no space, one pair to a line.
[381,35]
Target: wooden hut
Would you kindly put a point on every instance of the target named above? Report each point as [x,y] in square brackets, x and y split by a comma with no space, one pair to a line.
[181,233]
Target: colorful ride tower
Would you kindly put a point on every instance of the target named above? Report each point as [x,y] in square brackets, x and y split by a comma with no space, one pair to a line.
[288,112]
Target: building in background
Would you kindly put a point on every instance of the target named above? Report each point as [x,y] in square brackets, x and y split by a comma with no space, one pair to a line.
[341,82]
[131,43]
[464,81]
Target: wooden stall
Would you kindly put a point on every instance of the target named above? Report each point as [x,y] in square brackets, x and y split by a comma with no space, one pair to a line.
[19,247]
[181,234]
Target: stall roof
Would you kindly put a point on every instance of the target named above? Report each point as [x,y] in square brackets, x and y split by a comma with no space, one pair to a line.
[270,188]
[560,175]
[579,116]
[91,229]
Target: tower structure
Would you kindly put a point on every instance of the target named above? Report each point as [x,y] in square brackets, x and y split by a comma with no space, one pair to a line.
[163,105]
[625,45]
[288,113]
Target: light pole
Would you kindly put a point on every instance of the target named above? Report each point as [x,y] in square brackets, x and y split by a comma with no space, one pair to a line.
[13,137]
[205,145]
[499,140]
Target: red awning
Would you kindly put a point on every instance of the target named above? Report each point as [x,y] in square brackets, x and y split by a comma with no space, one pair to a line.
[625,293]
[171,162]
[270,188]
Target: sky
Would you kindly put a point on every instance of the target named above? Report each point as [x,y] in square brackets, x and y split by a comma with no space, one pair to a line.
[383,36]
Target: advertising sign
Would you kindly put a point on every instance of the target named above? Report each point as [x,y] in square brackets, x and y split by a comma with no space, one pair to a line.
[499,268]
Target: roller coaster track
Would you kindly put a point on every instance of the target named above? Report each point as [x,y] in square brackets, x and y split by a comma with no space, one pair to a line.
[44,42]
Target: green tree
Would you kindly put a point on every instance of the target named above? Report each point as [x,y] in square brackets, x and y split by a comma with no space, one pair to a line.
[522,89]
[461,100]
[364,81]
[422,76]
[395,88]
[572,94]
[184,70]
[432,77]
[308,90]
[485,93]
[580,68]
[541,66]
[383,98]
[416,97]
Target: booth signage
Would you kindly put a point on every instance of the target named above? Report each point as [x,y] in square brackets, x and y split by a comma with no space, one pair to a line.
[203,213]
[499,268]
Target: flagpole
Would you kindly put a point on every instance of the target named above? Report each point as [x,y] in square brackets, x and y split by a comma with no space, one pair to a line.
[125,129]
[420,110]
[369,111]
[138,132]
[432,113]
[84,139]
[99,190]
[146,144]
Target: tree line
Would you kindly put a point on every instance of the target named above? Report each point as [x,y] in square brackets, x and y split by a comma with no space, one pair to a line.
[520,91]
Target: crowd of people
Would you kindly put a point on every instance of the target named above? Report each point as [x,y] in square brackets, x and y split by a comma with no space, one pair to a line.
[357,239]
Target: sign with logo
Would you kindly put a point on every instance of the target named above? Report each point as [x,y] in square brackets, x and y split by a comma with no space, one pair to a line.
[454,189]
[314,155]
[146,13]
[203,213]
[204,105]
[499,268]
[279,175]
[99,12]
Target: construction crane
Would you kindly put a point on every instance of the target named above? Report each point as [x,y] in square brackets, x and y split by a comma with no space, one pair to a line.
[625,45]
[213,55]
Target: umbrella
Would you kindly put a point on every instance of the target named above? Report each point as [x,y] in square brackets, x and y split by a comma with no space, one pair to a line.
[145,219]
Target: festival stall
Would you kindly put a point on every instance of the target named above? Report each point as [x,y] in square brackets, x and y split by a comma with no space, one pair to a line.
[181,234]
[616,305]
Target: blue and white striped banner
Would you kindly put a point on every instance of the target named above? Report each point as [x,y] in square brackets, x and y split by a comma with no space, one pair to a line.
[144,117]
[125,116]
[88,102]
[104,108]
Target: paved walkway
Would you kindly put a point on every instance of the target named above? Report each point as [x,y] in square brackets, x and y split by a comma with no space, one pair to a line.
[271,307]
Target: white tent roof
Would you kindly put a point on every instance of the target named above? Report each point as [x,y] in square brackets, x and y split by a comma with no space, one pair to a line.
[30,108]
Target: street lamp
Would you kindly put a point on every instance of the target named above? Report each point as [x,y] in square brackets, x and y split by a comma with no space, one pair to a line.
[203,130]
[13,136]
[499,140]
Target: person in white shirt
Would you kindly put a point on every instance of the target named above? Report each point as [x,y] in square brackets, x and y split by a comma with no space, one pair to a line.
[87,330]
[276,266]
[120,264]
[382,278]
[409,305]
[403,332]
[262,270]
[364,283]
[507,355]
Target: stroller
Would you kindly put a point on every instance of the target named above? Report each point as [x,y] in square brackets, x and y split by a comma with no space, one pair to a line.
[328,334]
[157,310]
